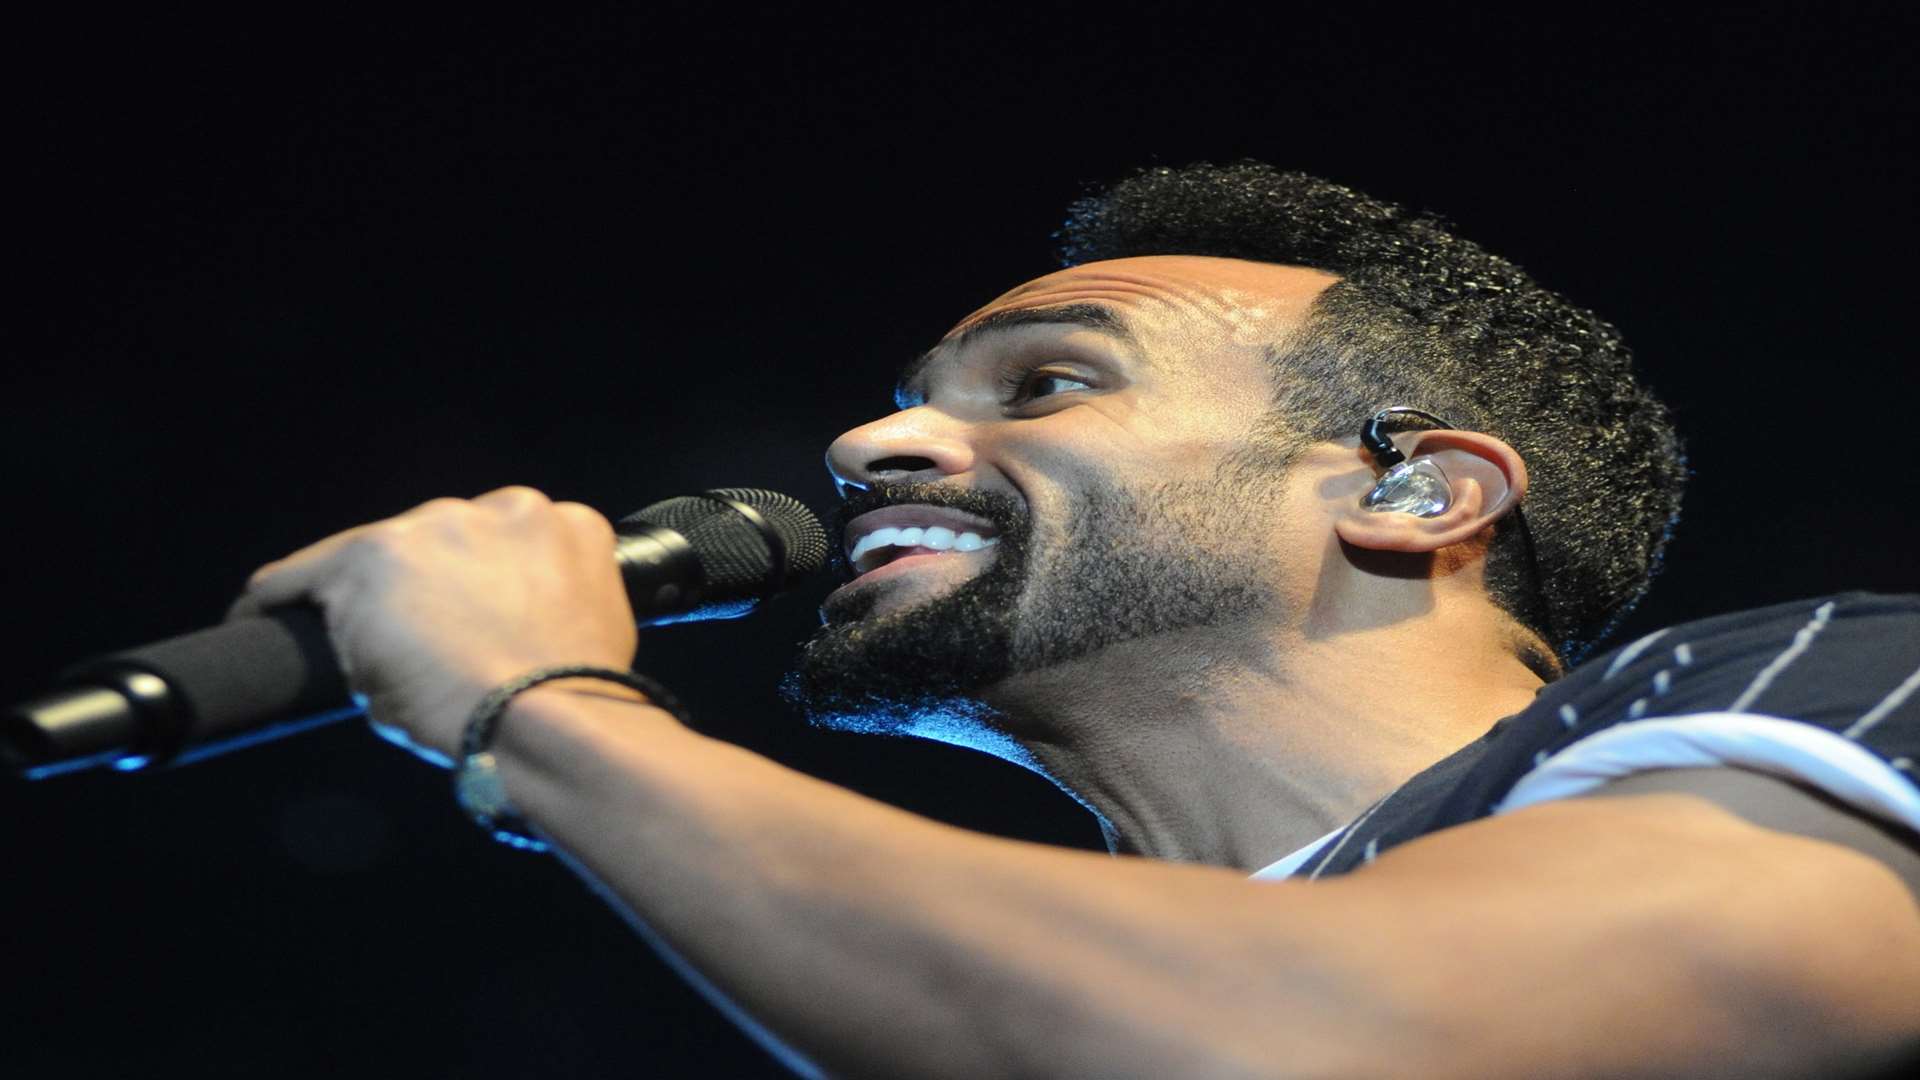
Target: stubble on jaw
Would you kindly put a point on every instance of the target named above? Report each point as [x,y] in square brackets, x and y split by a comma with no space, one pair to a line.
[896,672]
[1128,565]
[1131,566]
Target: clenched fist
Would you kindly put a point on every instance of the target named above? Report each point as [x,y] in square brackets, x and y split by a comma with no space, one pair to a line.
[431,609]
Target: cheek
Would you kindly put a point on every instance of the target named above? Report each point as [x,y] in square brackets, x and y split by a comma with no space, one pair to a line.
[1049,478]
[1207,421]
[1121,436]
[1044,454]
[1054,462]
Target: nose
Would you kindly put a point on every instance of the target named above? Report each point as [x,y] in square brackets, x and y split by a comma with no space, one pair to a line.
[911,446]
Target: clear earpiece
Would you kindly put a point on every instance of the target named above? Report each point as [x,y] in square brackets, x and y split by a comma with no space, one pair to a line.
[1411,487]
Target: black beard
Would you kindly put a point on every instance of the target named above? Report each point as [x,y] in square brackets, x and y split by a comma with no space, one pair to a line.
[894,673]
[1129,566]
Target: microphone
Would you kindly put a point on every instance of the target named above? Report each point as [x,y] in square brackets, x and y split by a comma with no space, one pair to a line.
[715,555]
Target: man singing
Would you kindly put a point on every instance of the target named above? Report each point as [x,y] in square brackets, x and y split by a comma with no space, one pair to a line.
[1275,530]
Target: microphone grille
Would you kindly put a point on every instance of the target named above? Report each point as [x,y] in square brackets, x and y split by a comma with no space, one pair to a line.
[799,529]
[733,554]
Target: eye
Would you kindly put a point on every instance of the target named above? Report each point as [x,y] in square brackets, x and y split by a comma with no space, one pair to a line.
[1020,385]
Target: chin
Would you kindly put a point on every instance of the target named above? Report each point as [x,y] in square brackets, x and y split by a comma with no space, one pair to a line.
[848,604]
[904,668]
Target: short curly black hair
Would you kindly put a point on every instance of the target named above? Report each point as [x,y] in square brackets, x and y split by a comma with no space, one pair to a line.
[1422,317]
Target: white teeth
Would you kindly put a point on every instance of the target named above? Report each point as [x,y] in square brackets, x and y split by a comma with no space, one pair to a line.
[875,539]
[937,537]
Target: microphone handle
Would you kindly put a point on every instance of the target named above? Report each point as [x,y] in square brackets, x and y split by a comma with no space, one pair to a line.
[211,691]
[185,698]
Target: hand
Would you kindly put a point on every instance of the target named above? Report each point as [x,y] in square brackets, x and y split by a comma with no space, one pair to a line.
[431,609]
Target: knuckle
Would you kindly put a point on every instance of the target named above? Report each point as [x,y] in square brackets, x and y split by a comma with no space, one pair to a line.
[375,544]
[517,499]
[586,519]
[446,504]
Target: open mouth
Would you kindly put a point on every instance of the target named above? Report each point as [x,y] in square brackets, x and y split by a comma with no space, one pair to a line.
[909,530]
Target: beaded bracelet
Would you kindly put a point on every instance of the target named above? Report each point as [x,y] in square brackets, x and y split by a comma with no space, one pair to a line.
[476,782]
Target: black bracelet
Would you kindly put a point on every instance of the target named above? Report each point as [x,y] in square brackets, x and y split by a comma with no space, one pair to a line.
[476,781]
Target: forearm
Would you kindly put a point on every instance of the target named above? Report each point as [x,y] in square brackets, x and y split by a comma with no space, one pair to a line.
[879,942]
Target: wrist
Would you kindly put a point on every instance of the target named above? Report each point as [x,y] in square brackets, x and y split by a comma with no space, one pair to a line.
[583,686]
[560,729]
[559,718]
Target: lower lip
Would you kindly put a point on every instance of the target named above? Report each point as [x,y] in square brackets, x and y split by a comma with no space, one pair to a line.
[901,565]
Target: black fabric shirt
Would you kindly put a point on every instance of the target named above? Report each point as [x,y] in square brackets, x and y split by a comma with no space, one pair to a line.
[1848,663]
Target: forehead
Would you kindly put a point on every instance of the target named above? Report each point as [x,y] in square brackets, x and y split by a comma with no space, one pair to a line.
[1188,296]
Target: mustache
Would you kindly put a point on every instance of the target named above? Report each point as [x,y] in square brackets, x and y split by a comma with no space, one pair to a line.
[1006,513]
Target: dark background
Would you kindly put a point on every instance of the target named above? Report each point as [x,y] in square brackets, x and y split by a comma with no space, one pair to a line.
[276,278]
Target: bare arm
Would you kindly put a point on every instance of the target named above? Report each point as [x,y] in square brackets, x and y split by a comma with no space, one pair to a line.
[1652,935]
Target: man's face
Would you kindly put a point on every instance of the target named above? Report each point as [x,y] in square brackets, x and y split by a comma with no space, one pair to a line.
[1070,468]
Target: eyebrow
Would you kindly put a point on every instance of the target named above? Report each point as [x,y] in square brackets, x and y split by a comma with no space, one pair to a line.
[1090,316]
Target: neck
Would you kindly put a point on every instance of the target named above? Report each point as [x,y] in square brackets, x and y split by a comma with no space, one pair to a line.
[1234,746]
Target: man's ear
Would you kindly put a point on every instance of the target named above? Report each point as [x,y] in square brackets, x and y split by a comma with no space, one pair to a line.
[1487,478]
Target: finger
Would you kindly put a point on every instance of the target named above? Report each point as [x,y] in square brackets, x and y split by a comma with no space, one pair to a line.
[586,522]
[515,499]
[270,585]
[286,580]
[442,507]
